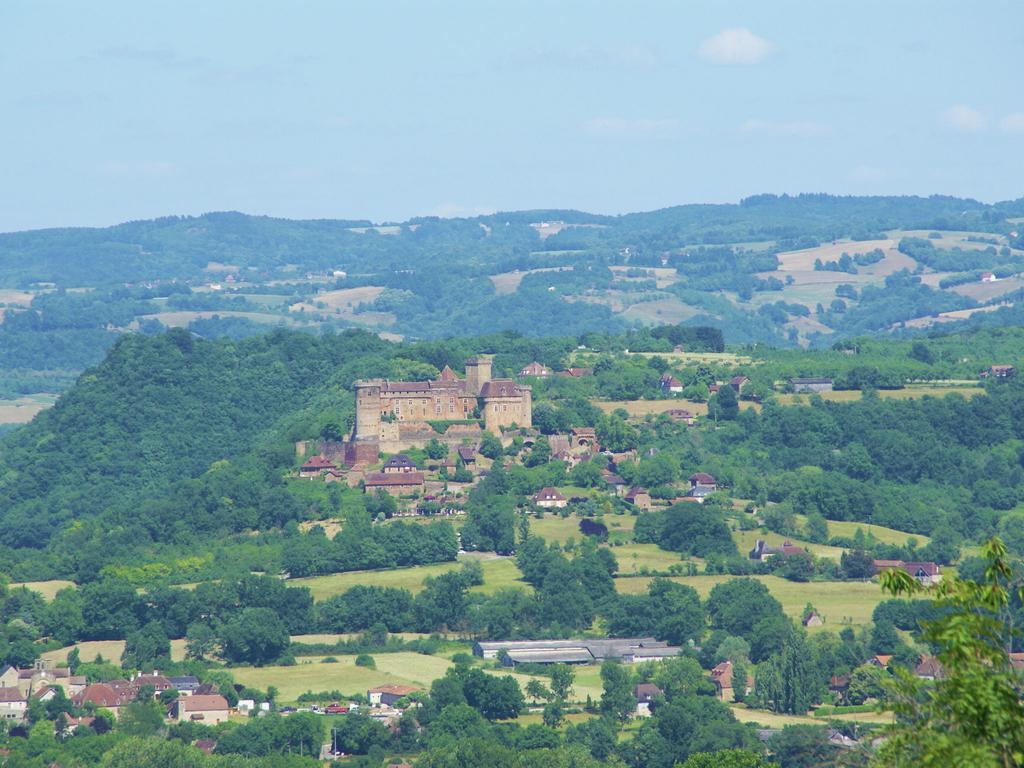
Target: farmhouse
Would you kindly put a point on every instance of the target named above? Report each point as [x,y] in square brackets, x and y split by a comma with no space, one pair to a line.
[703,478]
[722,676]
[549,498]
[699,493]
[387,695]
[638,497]
[105,695]
[738,382]
[645,693]
[536,370]
[998,372]
[614,481]
[924,572]
[762,551]
[670,383]
[584,651]
[398,463]
[576,373]
[316,466]
[40,674]
[210,710]
[13,704]
[812,384]
[395,483]
[681,415]
[812,619]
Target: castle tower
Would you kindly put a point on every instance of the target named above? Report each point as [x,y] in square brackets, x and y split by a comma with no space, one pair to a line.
[367,425]
[478,373]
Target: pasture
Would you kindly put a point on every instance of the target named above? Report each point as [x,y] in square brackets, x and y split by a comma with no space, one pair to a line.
[980,291]
[341,301]
[508,282]
[499,573]
[838,602]
[634,559]
[554,527]
[803,260]
[110,650]
[663,276]
[660,311]
[48,589]
[909,392]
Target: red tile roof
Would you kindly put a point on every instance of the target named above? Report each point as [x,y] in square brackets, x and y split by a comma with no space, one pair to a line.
[382,479]
[318,462]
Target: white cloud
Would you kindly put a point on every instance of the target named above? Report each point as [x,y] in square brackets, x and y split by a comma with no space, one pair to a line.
[629,128]
[965,119]
[1012,123]
[736,45]
[801,128]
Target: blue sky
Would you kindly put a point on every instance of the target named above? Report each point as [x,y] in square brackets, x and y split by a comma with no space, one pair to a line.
[121,110]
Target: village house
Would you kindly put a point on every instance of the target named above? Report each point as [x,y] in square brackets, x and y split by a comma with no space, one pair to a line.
[738,382]
[988,277]
[670,383]
[645,693]
[42,673]
[316,466]
[105,696]
[880,660]
[722,677]
[468,454]
[763,552]
[699,493]
[811,384]
[549,498]
[185,685]
[397,464]
[576,373]
[704,479]
[13,704]
[998,372]
[615,482]
[158,681]
[924,572]
[812,619]
[206,709]
[389,695]
[535,370]
[928,668]
[394,483]
[638,497]
[681,415]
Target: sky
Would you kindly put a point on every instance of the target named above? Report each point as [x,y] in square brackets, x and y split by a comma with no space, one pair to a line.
[112,111]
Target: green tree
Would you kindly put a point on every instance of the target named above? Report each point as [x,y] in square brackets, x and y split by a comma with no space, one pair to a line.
[562,678]
[145,646]
[617,699]
[436,449]
[255,636]
[200,641]
[490,446]
[973,715]
[728,758]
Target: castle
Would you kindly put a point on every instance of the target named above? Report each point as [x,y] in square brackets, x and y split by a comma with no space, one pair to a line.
[393,415]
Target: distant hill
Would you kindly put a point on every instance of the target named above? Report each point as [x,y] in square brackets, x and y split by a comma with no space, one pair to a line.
[783,270]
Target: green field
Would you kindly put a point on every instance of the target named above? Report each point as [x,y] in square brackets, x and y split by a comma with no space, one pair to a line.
[745,542]
[880,532]
[838,602]
[635,557]
[499,573]
[907,393]
[48,589]
[110,650]
[404,668]
[553,527]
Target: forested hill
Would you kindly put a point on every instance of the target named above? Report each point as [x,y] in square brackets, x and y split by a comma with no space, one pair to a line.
[181,246]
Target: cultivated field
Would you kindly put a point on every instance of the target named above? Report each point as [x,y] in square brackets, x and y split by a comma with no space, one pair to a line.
[633,559]
[880,532]
[12,297]
[767,719]
[342,301]
[499,573]
[23,409]
[838,602]
[801,261]
[980,291]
